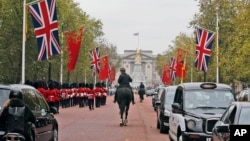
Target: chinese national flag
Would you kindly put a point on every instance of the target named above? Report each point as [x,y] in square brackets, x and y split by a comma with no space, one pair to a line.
[180,63]
[112,73]
[104,68]
[165,75]
[74,41]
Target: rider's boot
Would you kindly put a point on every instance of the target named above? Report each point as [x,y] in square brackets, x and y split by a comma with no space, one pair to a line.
[115,97]
[121,123]
[133,99]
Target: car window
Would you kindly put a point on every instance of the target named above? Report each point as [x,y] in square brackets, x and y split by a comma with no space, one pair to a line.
[208,98]
[4,96]
[169,98]
[30,99]
[42,102]
[179,97]
[244,116]
[227,116]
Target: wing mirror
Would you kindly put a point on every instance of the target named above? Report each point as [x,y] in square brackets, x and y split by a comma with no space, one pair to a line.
[222,129]
[53,109]
[155,93]
[176,107]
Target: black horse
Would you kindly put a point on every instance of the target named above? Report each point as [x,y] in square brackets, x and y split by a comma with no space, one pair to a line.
[124,98]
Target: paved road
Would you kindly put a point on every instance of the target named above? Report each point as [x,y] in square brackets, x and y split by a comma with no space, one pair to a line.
[102,124]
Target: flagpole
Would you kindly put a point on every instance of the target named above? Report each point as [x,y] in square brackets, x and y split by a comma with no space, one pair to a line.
[138,40]
[23,44]
[24,38]
[217,42]
[61,65]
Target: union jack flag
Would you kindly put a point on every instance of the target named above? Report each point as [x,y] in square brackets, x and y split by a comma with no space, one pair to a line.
[95,60]
[204,41]
[172,68]
[44,19]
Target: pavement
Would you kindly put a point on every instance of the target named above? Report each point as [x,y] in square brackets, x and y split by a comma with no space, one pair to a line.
[102,124]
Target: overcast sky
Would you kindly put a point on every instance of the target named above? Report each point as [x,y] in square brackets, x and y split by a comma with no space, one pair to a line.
[158,22]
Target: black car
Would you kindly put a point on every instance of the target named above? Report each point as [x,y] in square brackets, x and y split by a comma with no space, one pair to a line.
[46,127]
[238,113]
[156,97]
[196,109]
[164,110]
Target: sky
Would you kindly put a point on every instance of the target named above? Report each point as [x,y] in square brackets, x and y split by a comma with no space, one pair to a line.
[158,22]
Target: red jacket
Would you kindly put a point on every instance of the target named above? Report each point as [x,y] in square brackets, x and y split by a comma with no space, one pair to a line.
[91,94]
[51,95]
[98,92]
[44,92]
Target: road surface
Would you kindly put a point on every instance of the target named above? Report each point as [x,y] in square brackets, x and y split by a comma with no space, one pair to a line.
[102,124]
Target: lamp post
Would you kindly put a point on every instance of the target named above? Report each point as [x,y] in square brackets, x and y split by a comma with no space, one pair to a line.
[217,42]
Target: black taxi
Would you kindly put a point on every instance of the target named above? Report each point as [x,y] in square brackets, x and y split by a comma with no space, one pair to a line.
[196,108]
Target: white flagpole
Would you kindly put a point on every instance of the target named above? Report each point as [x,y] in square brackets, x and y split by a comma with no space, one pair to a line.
[138,40]
[24,38]
[23,44]
[61,65]
[217,43]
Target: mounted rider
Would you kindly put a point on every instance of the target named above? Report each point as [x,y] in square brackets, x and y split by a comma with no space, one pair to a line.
[124,80]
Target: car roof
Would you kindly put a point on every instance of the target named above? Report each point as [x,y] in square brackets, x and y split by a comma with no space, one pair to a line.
[21,86]
[3,86]
[196,85]
[241,104]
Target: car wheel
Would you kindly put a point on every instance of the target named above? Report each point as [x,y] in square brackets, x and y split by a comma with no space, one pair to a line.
[170,138]
[55,135]
[182,138]
[163,129]
[157,124]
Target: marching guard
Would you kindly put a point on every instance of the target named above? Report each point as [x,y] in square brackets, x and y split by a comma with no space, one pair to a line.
[91,97]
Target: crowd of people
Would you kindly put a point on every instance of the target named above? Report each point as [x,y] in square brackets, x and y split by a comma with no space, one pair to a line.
[74,94]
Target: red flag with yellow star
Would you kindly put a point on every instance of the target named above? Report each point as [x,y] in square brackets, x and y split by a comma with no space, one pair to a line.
[104,68]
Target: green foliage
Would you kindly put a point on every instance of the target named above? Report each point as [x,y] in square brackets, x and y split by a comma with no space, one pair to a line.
[234,41]
[70,18]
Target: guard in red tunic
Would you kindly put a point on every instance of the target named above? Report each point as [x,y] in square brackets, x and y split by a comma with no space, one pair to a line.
[91,97]
[68,96]
[64,95]
[98,93]
[51,97]
[104,94]
[39,86]
[57,96]
[80,92]
[85,94]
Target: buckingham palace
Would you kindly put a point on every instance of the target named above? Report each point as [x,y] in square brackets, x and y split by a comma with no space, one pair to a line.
[141,66]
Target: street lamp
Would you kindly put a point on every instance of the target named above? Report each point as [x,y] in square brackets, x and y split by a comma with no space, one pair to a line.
[217,6]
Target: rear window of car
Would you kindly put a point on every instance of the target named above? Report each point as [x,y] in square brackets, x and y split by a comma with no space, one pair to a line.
[4,96]
[169,98]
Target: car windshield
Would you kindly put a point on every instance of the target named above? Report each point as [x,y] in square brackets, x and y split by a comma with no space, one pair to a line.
[244,115]
[4,96]
[209,98]
[170,96]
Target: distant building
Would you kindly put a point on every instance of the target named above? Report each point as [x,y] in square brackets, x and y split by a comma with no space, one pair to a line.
[148,66]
